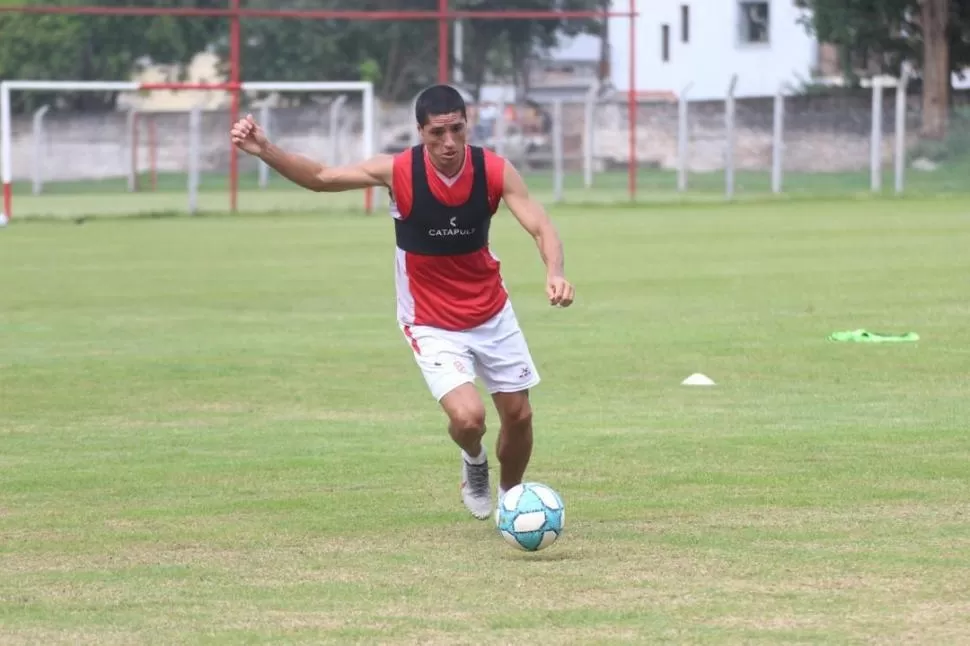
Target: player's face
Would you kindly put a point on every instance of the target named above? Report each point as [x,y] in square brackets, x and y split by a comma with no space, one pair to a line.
[444,137]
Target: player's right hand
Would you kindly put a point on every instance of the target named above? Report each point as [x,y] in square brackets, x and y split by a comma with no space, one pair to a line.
[248,136]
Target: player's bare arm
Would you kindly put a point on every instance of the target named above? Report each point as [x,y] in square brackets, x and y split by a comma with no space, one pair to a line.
[534,219]
[249,137]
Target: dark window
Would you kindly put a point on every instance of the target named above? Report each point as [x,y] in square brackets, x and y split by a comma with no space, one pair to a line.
[754,23]
[684,23]
[665,43]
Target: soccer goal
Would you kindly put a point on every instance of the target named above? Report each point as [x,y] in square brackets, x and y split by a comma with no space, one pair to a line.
[165,147]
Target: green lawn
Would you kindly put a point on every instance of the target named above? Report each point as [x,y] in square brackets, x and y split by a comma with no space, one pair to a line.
[211,431]
[170,195]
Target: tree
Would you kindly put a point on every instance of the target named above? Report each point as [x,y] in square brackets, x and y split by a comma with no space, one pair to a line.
[934,18]
[397,56]
[400,57]
[505,47]
[874,35]
[958,35]
[932,34]
[95,48]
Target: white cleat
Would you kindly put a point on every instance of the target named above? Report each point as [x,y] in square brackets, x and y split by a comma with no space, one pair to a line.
[475,490]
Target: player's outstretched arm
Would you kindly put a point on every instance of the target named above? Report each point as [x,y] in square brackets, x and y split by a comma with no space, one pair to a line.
[249,137]
[536,221]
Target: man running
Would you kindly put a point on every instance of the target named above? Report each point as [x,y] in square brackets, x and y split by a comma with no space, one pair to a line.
[452,305]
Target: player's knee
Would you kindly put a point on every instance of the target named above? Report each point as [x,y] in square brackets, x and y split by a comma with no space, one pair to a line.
[468,420]
[517,414]
[522,420]
[465,410]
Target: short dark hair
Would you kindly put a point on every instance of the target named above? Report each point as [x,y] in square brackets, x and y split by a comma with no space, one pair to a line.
[438,99]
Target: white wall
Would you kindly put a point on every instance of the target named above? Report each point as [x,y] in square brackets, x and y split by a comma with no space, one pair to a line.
[714,51]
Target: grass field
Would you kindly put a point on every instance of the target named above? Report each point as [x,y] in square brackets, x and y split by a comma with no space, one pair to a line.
[170,194]
[213,432]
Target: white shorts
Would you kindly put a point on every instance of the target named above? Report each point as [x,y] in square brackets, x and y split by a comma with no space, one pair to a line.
[495,351]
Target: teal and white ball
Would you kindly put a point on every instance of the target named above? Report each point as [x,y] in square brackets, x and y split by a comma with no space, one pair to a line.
[530,516]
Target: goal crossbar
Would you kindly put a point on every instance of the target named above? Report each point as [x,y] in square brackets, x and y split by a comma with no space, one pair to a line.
[368,143]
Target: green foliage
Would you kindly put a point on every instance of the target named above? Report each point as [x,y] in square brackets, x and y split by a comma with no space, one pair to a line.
[880,31]
[954,148]
[884,32]
[503,47]
[400,57]
[959,33]
[89,48]
[397,56]
[370,70]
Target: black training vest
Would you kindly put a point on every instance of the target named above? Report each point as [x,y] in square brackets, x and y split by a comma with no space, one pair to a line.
[436,229]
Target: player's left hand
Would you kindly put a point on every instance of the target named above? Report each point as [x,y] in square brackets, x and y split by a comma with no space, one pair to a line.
[560,291]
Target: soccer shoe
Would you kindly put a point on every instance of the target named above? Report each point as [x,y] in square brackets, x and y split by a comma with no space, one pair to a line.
[475,490]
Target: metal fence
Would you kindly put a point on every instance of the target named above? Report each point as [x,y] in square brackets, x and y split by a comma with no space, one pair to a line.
[818,144]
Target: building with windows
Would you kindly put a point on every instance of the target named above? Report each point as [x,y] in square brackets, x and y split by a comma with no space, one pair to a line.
[704,43]
[568,70]
[700,43]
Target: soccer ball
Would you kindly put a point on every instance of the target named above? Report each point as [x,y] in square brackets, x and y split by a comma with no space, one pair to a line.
[530,516]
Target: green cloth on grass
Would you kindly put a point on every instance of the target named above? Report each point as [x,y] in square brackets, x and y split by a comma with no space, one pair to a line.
[864,336]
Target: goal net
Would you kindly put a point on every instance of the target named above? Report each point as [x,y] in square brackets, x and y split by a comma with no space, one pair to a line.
[164,148]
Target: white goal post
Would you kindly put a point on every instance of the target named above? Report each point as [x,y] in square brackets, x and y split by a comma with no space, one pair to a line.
[366,89]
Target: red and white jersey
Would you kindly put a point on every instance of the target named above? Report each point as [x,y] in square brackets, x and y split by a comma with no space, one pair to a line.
[446,275]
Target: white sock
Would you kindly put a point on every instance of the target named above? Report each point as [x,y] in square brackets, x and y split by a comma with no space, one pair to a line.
[474,460]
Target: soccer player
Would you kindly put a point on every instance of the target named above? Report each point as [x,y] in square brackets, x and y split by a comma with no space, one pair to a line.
[452,305]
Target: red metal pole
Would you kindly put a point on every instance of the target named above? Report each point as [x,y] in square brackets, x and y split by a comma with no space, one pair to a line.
[235,53]
[443,42]
[632,104]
